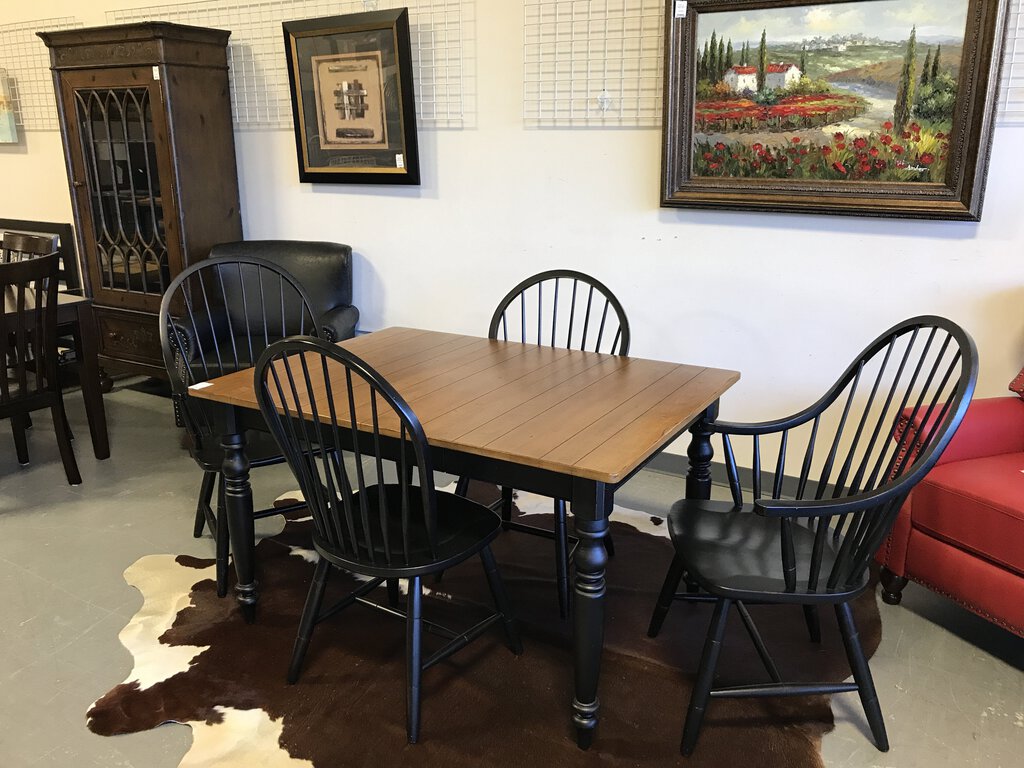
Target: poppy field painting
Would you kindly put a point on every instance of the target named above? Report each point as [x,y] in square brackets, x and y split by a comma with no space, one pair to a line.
[874,107]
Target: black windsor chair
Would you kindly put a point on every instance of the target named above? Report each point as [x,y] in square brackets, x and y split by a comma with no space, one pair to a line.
[809,540]
[569,310]
[315,397]
[216,318]
[28,333]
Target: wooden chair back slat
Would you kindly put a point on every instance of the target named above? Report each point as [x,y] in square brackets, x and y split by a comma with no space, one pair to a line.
[361,512]
[893,408]
[217,317]
[563,309]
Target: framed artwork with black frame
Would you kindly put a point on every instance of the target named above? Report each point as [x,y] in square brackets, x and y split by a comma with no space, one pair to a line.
[856,107]
[352,98]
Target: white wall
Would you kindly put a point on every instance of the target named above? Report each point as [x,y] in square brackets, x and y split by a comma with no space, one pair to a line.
[787,300]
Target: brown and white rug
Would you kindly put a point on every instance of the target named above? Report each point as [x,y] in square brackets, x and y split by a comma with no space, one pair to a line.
[197,663]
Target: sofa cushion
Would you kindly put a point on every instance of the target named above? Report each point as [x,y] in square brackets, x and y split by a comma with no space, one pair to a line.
[976,505]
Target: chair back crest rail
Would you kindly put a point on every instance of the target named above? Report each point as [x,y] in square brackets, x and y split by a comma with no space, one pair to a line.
[28,329]
[315,397]
[217,317]
[564,309]
[855,454]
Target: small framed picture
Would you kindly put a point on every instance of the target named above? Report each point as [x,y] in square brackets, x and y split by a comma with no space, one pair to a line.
[352,98]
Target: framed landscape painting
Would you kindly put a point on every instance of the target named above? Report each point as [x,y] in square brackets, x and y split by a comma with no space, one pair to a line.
[874,107]
[352,98]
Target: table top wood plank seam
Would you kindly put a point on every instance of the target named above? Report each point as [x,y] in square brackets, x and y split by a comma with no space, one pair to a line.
[530,402]
[664,412]
[633,410]
[548,429]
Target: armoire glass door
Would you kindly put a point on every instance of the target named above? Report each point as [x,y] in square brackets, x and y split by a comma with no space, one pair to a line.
[116,131]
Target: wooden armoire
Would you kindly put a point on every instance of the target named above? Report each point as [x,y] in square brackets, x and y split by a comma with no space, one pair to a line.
[145,117]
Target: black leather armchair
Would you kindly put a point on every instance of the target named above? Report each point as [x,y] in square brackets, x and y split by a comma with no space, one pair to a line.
[323,269]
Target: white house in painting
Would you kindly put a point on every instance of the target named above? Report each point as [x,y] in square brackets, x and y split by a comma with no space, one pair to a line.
[744,78]
[781,75]
[740,78]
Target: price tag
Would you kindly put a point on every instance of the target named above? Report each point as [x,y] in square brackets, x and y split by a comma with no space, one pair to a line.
[156,73]
[680,9]
[400,160]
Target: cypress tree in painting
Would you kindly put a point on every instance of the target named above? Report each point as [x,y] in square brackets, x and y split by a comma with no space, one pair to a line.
[720,72]
[926,70]
[728,57]
[935,62]
[762,60]
[803,61]
[905,89]
[713,58]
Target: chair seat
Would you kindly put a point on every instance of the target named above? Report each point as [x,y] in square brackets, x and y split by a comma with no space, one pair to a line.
[975,505]
[463,529]
[733,552]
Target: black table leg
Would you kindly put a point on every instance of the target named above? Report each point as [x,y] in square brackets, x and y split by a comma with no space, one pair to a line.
[591,504]
[241,530]
[700,452]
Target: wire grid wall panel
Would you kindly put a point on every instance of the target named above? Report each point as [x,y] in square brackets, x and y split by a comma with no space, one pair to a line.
[599,62]
[27,61]
[1011,84]
[260,98]
[593,62]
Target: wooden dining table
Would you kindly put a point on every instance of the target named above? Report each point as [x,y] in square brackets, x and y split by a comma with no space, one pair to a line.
[77,311]
[561,423]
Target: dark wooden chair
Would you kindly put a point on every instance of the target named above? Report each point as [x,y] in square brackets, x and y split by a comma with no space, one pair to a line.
[807,538]
[569,310]
[216,317]
[18,246]
[313,396]
[28,333]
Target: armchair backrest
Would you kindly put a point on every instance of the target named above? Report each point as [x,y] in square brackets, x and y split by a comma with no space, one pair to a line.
[854,455]
[324,269]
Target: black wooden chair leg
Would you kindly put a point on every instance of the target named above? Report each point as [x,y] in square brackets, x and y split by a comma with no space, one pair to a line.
[561,558]
[392,592]
[203,509]
[497,586]
[19,425]
[813,622]
[414,660]
[705,677]
[668,591]
[862,676]
[892,586]
[462,486]
[309,616]
[67,452]
[221,540]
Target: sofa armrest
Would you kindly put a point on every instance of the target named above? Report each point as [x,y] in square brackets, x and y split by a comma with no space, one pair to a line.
[339,323]
[991,426]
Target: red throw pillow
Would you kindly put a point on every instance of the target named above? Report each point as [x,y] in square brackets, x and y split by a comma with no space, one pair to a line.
[1017,385]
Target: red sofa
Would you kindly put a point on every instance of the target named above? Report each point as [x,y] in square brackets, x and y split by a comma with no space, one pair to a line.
[961,531]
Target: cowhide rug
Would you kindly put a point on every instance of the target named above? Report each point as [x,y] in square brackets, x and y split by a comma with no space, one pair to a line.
[197,663]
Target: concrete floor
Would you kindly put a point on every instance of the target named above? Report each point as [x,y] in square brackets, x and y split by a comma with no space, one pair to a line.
[951,685]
